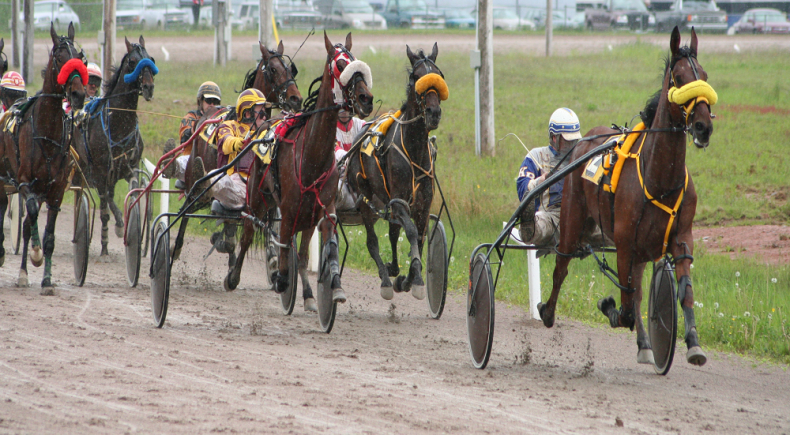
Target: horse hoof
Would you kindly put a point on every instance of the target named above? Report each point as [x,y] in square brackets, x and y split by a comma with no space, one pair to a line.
[606,304]
[339,296]
[37,257]
[119,231]
[399,284]
[227,284]
[22,280]
[548,320]
[47,289]
[645,356]
[176,254]
[310,305]
[418,291]
[387,293]
[696,356]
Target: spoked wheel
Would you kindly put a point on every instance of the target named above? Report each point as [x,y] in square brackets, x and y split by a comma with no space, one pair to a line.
[17,215]
[662,317]
[480,311]
[288,299]
[134,240]
[327,307]
[81,241]
[147,216]
[160,273]
[436,275]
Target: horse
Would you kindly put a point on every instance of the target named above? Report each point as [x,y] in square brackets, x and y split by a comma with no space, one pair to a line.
[645,219]
[302,180]
[399,178]
[35,158]
[109,143]
[3,59]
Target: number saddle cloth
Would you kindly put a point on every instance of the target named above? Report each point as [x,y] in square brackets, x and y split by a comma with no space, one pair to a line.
[209,131]
[606,168]
[372,139]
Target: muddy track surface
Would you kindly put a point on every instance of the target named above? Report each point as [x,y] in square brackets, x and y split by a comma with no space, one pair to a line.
[89,360]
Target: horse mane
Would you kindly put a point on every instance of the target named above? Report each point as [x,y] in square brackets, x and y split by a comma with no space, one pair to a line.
[311,101]
[249,78]
[648,114]
[115,75]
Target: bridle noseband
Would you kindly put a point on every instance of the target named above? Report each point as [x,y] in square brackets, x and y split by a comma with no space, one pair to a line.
[701,95]
[269,74]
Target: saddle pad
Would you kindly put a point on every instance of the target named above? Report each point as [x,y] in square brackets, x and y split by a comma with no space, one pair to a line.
[594,170]
[380,128]
[207,134]
[8,121]
[265,150]
[613,162]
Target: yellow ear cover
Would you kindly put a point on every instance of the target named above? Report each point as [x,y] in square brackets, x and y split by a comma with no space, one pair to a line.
[698,88]
[435,81]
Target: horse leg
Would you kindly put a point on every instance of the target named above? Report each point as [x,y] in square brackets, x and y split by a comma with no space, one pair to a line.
[234,273]
[22,281]
[36,257]
[286,235]
[372,241]
[304,258]
[49,247]
[229,231]
[115,211]
[394,233]
[104,215]
[645,350]
[683,250]
[332,254]
[625,317]
[3,207]
[413,280]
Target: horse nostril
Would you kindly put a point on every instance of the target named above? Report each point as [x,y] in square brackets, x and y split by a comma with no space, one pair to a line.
[699,126]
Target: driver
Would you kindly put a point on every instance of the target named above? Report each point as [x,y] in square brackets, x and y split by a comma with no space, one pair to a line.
[348,128]
[540,228]
[231,190]
[93,89]
[12,89]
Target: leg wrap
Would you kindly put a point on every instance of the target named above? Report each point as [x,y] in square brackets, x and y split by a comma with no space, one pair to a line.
[628,318]
[49,244]
[32,206]
[281,283]
[691,327]
[685,281]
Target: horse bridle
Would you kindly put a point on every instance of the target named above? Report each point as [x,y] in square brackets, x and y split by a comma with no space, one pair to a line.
[269,73]
[687,109]
[350,103]
[72,50]
[143,55]
[413,80]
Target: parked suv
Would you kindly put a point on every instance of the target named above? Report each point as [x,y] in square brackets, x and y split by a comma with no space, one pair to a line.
[703,15]
[151,14]
[412,14]
[619,14]
[344,14]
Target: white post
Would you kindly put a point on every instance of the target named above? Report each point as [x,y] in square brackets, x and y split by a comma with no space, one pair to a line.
[485,43]
[314,251]
[108,36]
[164,199]
[533,269]
[474,61]
[265,30]
[549,30]
[16,41]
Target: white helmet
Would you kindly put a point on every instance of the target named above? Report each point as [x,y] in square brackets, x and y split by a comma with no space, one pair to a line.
[564,121]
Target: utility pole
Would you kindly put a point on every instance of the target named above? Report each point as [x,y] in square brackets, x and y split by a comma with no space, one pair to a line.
[220,14]
[27,56]
[485,43]
[549,33]
[265,26]
[107,38]
[16,42]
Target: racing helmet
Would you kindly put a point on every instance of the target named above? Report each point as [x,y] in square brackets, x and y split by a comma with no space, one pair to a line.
[247,99]
[565,122]
[12,81]
[94,70]
[209,90]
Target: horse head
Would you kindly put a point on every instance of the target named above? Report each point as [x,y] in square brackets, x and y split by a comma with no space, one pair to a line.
[68,67]
[3,59]
[427,81]
[277,80]
[689,93]
[351,75]
[139,67]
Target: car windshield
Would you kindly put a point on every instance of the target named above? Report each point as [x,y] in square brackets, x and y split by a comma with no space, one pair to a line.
[456,13]
[505,14]
[628,5]
[357,7]
[413,4]
[129,4]
[701,6]
[764,17]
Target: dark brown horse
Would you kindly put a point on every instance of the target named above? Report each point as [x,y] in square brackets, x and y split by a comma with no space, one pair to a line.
[109,142]
[642,228]
[36,157]
[400,180]
[302,180]
[3,59]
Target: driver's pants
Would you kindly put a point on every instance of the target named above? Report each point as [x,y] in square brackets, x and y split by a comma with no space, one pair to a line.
[230,191]
[547,224]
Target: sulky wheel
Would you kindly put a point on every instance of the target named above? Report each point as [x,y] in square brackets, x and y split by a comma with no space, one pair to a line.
[288,298]
[134,240]
[436,275]
[143,179]
[17,215]
[81,241]
[327,307]
[160,273]
[480,311]
[272,234]
[662,317]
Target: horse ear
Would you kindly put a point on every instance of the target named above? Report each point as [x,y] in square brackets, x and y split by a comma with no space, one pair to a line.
[280,47]
[2,44]
[142,41]
[348,41]
[330,49]
[674,41]
[128,45]
[434,52]
[412,57]
[71,31]
[264,51]
[53,33]
[693,45]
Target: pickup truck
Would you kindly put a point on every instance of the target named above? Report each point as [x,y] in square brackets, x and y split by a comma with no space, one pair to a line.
[412,14]
[618,14]
[703,15]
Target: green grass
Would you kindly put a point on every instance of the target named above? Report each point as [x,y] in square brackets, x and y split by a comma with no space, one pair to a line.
[740,178]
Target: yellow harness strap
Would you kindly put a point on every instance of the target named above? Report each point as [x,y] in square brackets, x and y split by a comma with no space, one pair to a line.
[623,152]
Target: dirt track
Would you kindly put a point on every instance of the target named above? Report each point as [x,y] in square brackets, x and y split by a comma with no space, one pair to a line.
[89,360]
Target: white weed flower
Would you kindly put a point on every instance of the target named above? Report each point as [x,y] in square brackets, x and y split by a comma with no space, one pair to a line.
[698,304]
[452,259]
[773,280]
[721,314]
[359,233]
[692,266]
[747,314]
[770,316]
[716,305]
[400,239]
[737,274]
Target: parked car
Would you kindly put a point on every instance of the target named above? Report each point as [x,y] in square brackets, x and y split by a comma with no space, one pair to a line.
[288,14]
[506,19]
[151,14]
[537,16]
[413,14]
[619,14]
[458,19]
[762,21]
[344,14]
[51,11]
[573,20]
[703,15]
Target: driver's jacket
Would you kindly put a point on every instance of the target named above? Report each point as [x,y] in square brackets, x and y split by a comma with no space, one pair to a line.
[230,140]
[539,161]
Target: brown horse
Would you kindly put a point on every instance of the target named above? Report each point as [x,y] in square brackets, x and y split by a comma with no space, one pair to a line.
[640,217]
[302,180]
[400,177]
[36,157]
[109,143]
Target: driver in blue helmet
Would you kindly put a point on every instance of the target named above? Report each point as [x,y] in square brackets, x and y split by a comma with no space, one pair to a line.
[540,220]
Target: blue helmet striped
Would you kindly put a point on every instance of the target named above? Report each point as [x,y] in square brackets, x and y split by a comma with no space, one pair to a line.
[565,122]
